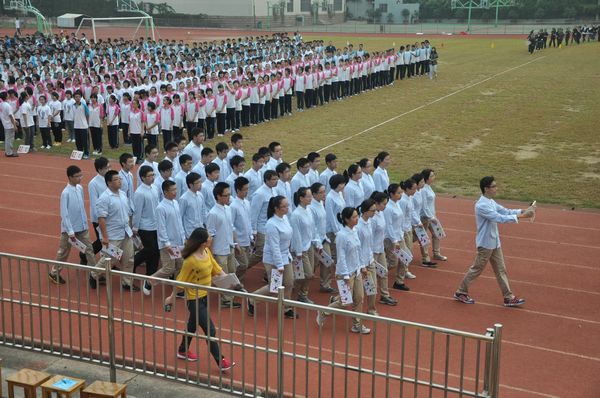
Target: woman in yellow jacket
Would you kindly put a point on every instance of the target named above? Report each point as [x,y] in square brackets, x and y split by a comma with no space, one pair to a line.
[198,268]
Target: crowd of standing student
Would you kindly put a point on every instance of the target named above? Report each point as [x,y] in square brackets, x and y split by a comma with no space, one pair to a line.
[148,89]
[556,37]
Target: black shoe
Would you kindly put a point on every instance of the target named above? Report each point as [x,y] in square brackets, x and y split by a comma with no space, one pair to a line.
[388,301]
[250,308]
[132,288]
[291,314]
[83,260]
[400,286]
[429,264]
[56,279]
[230,304]
[327,289]
[181,294]
[93,282]
[102,280]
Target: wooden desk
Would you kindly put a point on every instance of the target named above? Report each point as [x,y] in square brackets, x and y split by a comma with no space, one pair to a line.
[49,387]
[28,379]
[104,389]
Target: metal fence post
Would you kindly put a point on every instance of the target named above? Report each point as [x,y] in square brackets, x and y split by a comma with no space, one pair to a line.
[111,324]
[280,308]
[488,364]
[495,378]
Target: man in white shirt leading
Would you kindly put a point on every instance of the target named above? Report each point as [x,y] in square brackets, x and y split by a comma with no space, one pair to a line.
[488,214]
[145,201]
[96,187]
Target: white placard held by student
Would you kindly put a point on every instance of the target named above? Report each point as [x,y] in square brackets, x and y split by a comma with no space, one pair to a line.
[345,292]
[76,155]
[227,281]
[276,280]
[380,270]
[404,256]
[325,259]
[298,265]
[438,230]
[113,251]
[422,236]
[23,149]
[77,244]
[369,284]
[137,242]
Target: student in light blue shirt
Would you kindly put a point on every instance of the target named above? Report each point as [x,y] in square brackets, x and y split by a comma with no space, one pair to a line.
[185,166]
[394,235]
[428,215]
[366,181]
[191,204]
[151,152]
[380,175]
[73,225]
[237,164]
[145,201]
[315,161]
[242,226]
[165,170]
[212,177]
[331,161]
[114,220]
[258,214]
[219,225]
[283,187]
[206,158]
[301,178]
[195,147]
[317,209]
[276,254]
[488,214]
[221,160]
[171,235]
[334,204]
[255,175]
[96,187]
[127,164]
[353,192]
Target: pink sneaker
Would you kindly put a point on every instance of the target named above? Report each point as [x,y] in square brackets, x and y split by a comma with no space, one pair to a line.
[189,356]
[226,364]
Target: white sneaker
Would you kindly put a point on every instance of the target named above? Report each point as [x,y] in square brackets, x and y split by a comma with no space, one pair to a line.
[410,275]
[320,318]
[362,329]
[145,289]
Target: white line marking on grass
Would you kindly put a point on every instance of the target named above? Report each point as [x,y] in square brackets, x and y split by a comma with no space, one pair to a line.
[429,103]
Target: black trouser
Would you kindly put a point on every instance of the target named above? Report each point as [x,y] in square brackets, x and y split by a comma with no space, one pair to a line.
[300,99]
[189,126]
[267,110]
[167,137]
[334,90]
[253,113]
[274,108]
[245,115]
[57,131]
[125,128]
[320,91]
[113,136]
[392,75]
[152,139]
[137,146]
[96,245]
[46,137]
[308,98]
[287,105]
[81,141]
[327,92]
[230,119]
[282,107]
[238,119]
[177,133]
[96,138]
[261,113]
[149,253]
[199,316]
[201,125]
[210,127]
[221,117]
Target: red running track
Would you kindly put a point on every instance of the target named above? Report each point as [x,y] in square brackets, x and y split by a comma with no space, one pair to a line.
[551,346]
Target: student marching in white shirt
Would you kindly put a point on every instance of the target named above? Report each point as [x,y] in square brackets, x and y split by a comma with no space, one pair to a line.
[237,142]
[283,187]
[73,225]
[191,204]
[208,185]
[242,226]
[259,205]
[194,147]
[409,187]
[237,165]
[96,188]
[172,155]
[185,167]
[145,201]
[151,152]
[366,181]
[301,178]
[206,158]
[394,236]
[380,175]
[254,174]
[378,228]
[353,192]
[315,162]
[349,267]
[331,161]
[221,160]
[429,217]
[364,229]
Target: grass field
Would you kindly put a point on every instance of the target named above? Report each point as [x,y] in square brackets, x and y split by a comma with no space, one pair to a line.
[534,125]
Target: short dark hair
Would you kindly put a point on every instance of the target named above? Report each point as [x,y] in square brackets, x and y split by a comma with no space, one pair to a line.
[167,184]
[165,165]
[206,151]
[427,173]
[191,178]
[100,163]
[336,180]
[125,157]
[221,146]
[282,167]
[109,175]
[184,158]
[330,157]
[211,168]
[485,182]
[170,145]
[313,156]
[72,170]
[236,137]
[273,145]
[196,131]
[269,174]
[256,157]
[219,188]
[236,160]
[144,170]
[240,183]
[149,148]
[302,162]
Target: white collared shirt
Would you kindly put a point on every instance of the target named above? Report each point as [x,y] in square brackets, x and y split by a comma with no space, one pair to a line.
[488,214]
[191,206]
[240,217]
[278,237]
[334,204]
[145,201]
[72,210]
[220,227]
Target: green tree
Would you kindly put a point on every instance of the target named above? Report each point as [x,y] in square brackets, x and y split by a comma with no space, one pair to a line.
[405,14]
[390,18]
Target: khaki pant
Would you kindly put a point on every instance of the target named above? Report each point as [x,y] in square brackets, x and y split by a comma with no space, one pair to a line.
[435,242]
[124,264]
[288,281]
[168,267]
[382,283]
[242,255]
[358,292]
[64,249]
[228,264]
[408,242]
[392,260]
[496,258]
[308,258]
[327,273]
[259,245]
[372,299]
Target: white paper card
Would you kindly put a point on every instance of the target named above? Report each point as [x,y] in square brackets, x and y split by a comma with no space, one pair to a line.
[404,256]
[298,265]
[227,281]
[112,251]
[369,284]
[345,292]
[276,280]
[137,242]
[77,244]
[176,252]
[134,159]
[438,230]
[23,149]
[422,235]
[76,155]
[326,259]
[380,270]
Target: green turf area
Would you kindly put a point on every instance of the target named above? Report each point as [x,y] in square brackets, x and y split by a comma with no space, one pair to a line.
[534,127]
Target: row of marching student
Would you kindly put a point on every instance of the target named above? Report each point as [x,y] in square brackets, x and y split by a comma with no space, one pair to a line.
[198,214]
[145,95]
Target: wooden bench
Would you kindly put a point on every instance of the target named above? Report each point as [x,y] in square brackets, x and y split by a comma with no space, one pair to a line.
[103,389]
[28,379]
[53,386]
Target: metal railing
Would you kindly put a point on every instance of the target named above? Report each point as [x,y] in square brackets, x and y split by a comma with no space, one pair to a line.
[275,356]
